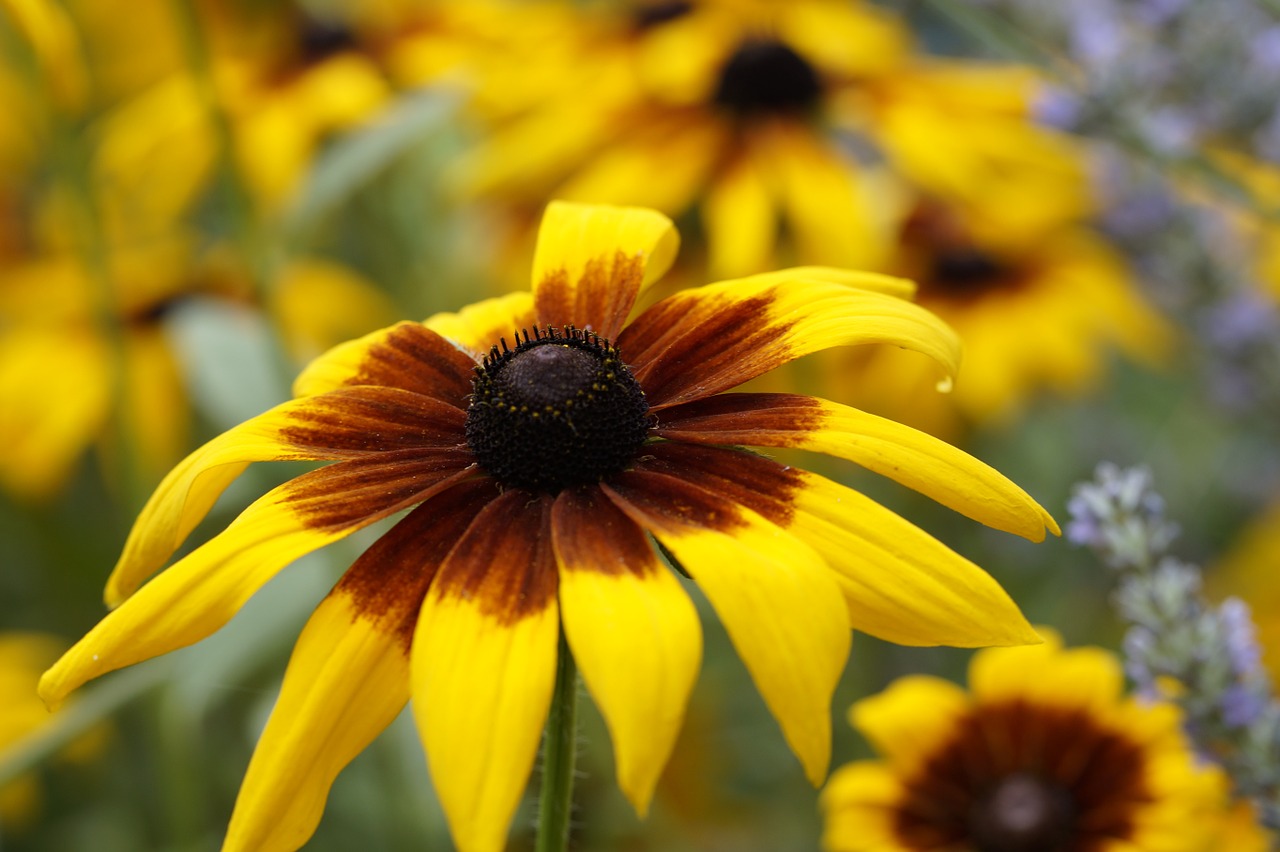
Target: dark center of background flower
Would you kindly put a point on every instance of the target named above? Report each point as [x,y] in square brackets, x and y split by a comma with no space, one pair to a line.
[961,272]
[560,409]
[1023,777]
[648,15]
[1022,813]
[767,76]
[320,39]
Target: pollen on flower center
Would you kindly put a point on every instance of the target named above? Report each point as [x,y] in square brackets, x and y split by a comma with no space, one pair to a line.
[765,75]
[1023,813]
[559,409]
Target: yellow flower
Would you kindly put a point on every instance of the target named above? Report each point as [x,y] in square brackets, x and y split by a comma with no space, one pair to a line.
[1037,313]
[82,359]
[1043,754]
[539,465]
[765,119]
[60,377]
[300,84]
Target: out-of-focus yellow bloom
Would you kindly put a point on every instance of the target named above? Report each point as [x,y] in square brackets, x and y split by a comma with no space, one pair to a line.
[1043,314]
[82,346]
[23,656]
[1043,752]
[283,91]
[62,368]
[786,126]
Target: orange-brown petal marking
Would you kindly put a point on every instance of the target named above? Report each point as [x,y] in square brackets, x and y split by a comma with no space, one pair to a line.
[504,563]
[911,457]
[407,355]
[362,490]
[387,584]
[592,534]
[600,299]
[745,479]
[591,263]
[699,342]
[362,420]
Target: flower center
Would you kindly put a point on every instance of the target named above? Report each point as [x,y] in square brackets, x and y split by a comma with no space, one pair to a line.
[560,409]
[962,271]
[764,75]
[1023,813]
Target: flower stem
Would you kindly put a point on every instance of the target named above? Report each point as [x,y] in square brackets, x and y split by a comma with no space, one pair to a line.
[559,752]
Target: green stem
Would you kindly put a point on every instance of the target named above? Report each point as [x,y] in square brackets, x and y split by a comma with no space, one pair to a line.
[559,752]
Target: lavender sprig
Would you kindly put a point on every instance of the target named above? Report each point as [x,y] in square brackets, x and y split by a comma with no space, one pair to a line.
[1205,658]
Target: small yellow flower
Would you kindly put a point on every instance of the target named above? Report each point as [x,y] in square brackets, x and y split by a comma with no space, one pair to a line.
[536,467]
[1043,754]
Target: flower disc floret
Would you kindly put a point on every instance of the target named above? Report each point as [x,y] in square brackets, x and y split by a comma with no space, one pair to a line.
[559,409]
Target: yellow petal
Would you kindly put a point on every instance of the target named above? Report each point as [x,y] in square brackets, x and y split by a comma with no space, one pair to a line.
[910,720]
[858,806]
[777,598]
[343,424]
[834,216]
[347,680]
[914,458]
[900,583]
[484,664]
[699,342]
[1071,678]
[201,592]
[56,389]
[407,355]
[479,326]
[592,262]
[739,217]
[632,629]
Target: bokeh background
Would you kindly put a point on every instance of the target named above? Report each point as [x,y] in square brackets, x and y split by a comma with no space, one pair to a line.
[196,197]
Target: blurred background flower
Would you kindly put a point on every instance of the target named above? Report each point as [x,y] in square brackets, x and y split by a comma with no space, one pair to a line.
[1044,752]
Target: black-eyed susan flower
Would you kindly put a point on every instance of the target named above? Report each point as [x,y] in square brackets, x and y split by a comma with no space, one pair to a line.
[783,127]
[1044,753]
[1040,312]
[538,441]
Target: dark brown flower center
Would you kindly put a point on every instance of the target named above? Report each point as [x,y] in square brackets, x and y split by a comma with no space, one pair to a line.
[1022,813]
[961,272]
[767,76]
[319,40]
[560,409]
[1023,777]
